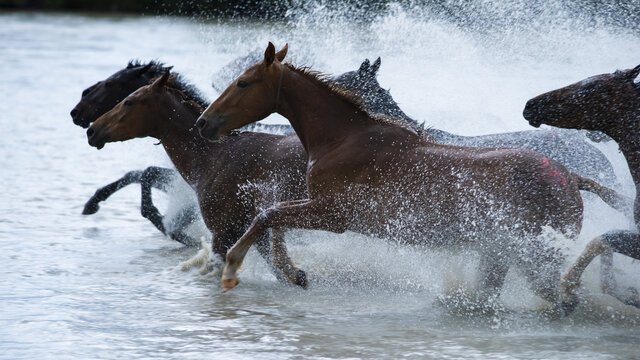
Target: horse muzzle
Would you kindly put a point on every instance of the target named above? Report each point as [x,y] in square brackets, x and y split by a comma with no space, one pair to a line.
[531,114]
[77,115]
[97,137]
[210,127]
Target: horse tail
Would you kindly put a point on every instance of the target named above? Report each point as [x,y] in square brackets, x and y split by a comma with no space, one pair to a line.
[608,195]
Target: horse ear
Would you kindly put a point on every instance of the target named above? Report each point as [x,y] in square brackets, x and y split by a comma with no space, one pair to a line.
[375,66]
[269,54]
[143,69]
[172,80]
[364,66]
[282,53]
[160,82]
[633,75]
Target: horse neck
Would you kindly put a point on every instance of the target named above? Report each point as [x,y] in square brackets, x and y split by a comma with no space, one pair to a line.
[179,137]
[318,116]
[628,138]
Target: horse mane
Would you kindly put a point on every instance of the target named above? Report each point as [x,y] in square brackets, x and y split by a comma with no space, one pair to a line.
[188,91]
[157,67]
[350,96]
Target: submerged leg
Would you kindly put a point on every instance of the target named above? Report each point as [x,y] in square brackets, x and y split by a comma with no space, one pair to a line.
[187,216]
[92,205]
[303,214]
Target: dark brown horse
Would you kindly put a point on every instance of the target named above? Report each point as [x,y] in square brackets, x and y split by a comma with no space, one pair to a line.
[609,103]
[233,177]
[104,95]
[378,176]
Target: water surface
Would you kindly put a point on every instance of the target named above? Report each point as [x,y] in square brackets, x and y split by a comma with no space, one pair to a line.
[111,286]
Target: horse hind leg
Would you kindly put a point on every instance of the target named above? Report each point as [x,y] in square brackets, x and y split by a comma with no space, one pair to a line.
[541,264]
[492,273]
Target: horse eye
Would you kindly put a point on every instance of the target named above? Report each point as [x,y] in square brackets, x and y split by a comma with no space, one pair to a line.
[85,92]
[128,103]
[242,84]
[108,84]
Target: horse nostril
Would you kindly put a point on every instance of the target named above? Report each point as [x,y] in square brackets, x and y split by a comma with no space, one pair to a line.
[90,133]
[200,123]
[74,112]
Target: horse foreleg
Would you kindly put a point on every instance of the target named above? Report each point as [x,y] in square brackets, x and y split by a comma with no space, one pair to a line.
[283,262]
[186,217]
[629,241]
[570,280]
[159,178]
[302,214]
[92,205]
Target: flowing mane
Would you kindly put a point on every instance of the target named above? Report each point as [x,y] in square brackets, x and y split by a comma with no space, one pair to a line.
[187,90]
[196,107]
[157,67]
[350,96]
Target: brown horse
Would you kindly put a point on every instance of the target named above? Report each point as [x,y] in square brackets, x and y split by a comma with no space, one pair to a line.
[365,171]
[609,103]
[232,177]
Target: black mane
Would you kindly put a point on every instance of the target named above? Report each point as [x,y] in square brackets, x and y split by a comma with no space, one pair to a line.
[158,68]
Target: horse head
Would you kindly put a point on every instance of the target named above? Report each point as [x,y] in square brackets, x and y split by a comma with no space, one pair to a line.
[363,78]
[376,99]
[602,102]
[103,95]
[133,117]
[251,97]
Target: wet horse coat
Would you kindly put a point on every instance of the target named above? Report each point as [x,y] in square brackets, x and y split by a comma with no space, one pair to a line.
[232,178]
[364,170]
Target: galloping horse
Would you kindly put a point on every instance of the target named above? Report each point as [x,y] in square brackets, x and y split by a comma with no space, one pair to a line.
[609,103]
[105,94]
[378,176]
[233,178]
[100,98]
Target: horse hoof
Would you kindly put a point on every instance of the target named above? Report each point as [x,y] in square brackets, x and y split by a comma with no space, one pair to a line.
[228,284]
[301,279]
[90,208]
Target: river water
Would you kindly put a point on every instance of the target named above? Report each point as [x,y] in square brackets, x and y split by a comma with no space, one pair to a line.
[111,286]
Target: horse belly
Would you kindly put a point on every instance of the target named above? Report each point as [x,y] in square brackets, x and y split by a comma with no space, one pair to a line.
[422,217]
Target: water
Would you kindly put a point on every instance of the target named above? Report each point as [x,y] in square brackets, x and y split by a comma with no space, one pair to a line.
[111,286]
